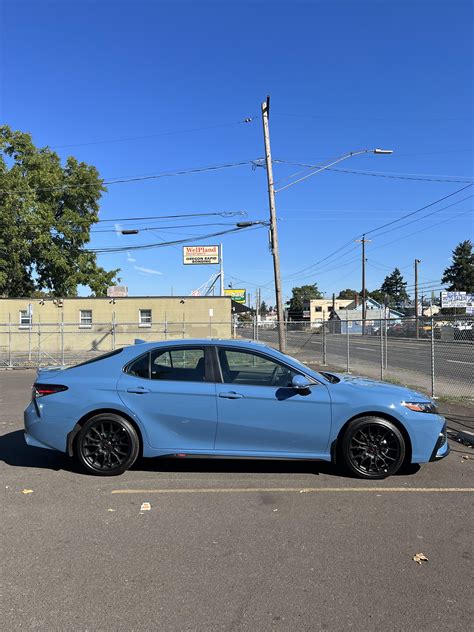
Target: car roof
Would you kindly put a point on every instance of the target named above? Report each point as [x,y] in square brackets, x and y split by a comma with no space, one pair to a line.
[249,344]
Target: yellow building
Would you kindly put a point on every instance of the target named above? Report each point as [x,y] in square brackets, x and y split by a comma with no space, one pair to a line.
[62,328]
[320,308]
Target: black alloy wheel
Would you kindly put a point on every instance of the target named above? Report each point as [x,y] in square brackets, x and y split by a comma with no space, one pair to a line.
[107,445]
[373,448]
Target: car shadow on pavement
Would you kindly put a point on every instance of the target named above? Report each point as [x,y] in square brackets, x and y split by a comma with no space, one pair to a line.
[15,452]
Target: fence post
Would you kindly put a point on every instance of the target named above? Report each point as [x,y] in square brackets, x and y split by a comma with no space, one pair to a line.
[210,325]
[381,348]
[386,341]
[10,341]
[39,342]
[348,368]
[433,392]
[113,331]
[165,331]
[324,342]
[62,338]
[184,325]
[256,326]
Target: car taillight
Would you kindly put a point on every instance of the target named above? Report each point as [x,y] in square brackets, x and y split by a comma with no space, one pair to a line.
[40,390]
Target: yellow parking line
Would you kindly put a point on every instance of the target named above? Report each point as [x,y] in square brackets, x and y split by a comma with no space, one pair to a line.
[300,490]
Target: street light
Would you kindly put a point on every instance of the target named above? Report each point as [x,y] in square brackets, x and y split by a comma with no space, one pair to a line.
[350,154]
[272,206]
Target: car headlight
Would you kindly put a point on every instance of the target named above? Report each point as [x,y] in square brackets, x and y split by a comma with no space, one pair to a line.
[421,407]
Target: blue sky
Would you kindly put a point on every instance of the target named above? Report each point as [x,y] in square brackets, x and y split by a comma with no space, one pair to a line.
[342,76]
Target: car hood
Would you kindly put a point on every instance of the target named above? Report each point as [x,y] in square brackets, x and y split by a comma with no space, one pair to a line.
[400,392]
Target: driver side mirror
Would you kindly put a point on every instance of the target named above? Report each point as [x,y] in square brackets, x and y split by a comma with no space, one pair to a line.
[300,383]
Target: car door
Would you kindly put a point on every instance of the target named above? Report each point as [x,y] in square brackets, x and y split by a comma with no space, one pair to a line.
[259,412]
[172,392]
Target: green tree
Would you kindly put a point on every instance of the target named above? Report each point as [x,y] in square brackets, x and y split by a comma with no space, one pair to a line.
[395,288]
[263,308]
[46,211]
[377,295]
[348,294]
[460,274]
[300,295]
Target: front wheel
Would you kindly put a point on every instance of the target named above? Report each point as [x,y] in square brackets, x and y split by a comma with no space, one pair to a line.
[107,445]
[373,448]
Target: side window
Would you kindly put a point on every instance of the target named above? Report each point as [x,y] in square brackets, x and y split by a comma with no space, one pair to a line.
[245,367]
[185,365]
[140,367]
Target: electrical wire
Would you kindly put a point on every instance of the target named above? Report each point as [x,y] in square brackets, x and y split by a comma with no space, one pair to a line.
[167,174]
[157,135]
[168,243]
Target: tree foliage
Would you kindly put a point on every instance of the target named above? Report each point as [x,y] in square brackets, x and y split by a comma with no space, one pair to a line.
[460,274]
[394,287]
[263,308]
[46,211]
[348,294]
[302,294]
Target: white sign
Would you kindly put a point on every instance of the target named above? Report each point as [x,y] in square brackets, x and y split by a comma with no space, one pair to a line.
[200,255]
[117,291]
[457,299]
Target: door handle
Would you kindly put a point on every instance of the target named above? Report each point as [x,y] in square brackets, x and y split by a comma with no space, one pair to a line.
[139,390]
[231,395]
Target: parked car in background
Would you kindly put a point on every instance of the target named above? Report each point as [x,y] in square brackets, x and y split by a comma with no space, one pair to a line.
[227,398]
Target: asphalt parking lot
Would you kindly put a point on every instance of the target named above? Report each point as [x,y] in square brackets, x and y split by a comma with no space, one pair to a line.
[229,545]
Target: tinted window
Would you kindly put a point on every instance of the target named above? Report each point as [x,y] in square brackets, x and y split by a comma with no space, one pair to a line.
[245,367]
[178,365]
[140,367]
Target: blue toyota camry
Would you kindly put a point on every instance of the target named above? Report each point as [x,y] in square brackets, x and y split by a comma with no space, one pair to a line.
[227,398]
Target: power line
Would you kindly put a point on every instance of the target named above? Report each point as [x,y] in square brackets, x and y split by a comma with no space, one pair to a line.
[247,120]
[168,243]
[175,216]
[367,232]
[422,177]
[373,230]
[136,178]
[372,118]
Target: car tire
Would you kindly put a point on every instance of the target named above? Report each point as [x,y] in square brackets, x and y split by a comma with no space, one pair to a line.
[107,445]
[373,448]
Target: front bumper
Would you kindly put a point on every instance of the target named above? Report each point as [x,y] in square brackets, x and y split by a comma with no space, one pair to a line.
[441,449]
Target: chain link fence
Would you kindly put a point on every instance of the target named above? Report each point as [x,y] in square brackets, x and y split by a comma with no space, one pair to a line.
[434,355]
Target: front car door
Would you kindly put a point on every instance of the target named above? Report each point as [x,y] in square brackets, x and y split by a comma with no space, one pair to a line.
[172,391]
[259,412]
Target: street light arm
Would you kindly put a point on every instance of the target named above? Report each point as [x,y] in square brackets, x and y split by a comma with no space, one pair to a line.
[334,162]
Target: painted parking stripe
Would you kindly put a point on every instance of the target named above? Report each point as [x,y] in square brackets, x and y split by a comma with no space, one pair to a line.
[298,490]
[366,349]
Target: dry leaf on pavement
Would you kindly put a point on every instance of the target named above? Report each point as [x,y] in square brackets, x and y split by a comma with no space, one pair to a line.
[419,558]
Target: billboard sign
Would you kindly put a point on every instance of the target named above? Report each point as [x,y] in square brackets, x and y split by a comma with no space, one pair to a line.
[239,296]
[200,255]
[457,299]
[117,291]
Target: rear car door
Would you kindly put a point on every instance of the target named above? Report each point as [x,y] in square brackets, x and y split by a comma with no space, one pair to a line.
[259,411]
[171,390]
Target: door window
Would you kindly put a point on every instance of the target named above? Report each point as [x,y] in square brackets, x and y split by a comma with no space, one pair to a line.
[245,367]
[186,365]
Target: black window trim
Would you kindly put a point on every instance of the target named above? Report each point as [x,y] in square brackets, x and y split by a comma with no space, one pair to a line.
[209,373]
[262,354]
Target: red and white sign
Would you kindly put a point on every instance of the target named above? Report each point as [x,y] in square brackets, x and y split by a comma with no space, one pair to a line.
[200,255]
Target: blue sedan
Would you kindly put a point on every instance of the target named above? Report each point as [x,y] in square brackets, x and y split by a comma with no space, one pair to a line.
[227,398]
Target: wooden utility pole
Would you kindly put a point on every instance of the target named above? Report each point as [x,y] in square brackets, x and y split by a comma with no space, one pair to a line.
[273,227]
[363,241]
[417,333]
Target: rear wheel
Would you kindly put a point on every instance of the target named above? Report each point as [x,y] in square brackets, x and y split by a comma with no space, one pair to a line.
[373,448]
[107,445]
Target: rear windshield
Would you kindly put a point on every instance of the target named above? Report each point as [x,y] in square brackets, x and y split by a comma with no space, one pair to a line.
[98,358]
